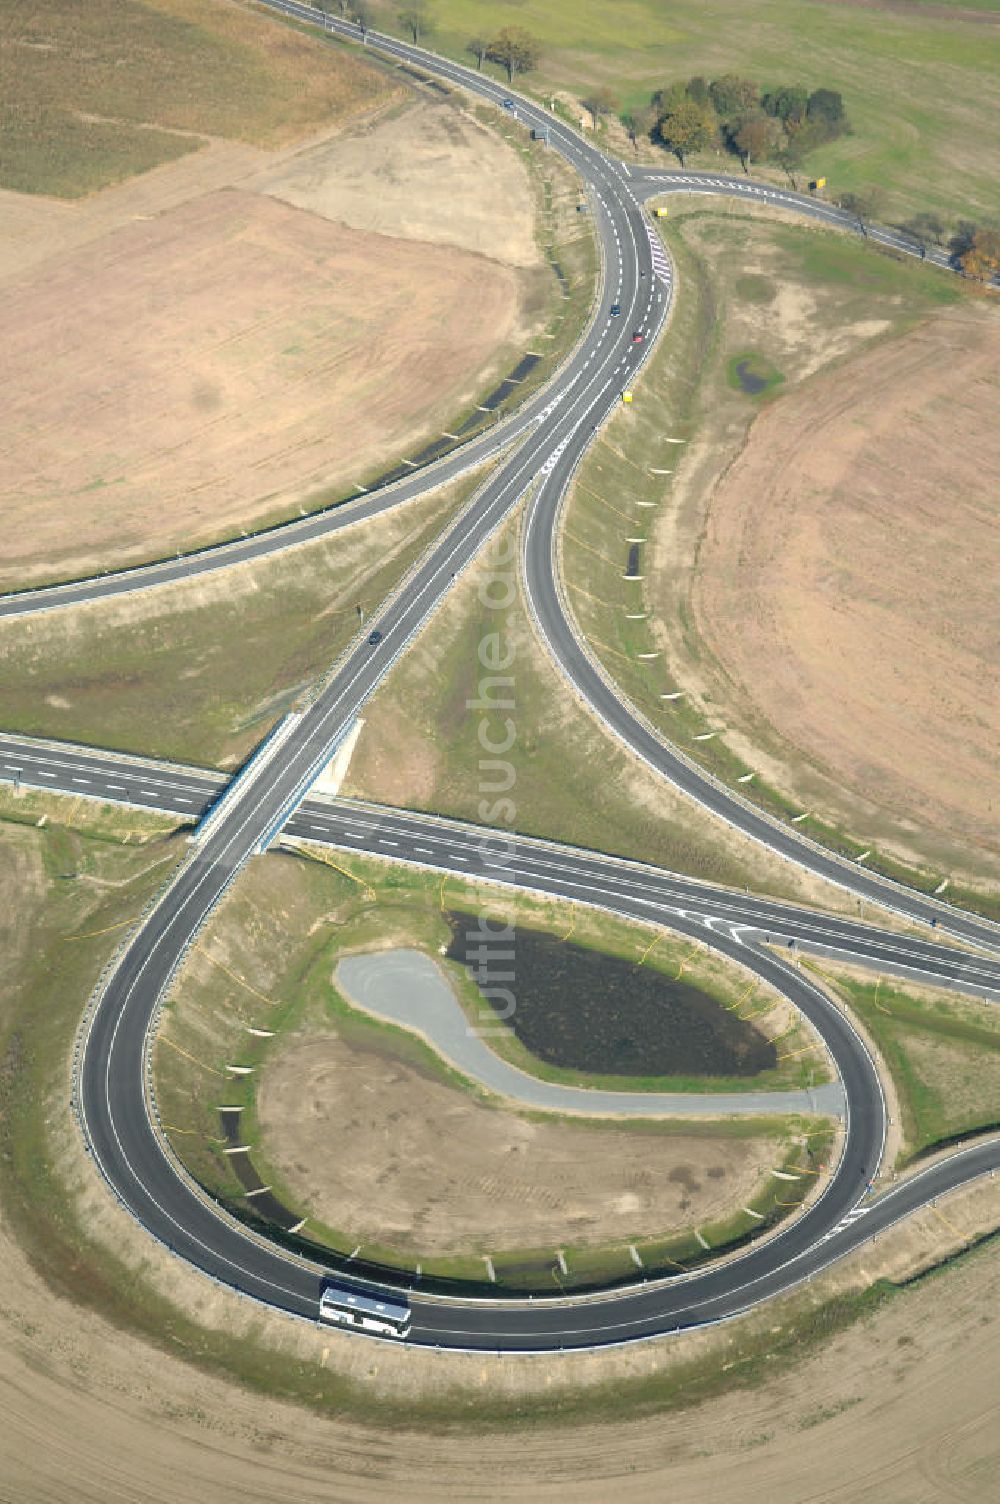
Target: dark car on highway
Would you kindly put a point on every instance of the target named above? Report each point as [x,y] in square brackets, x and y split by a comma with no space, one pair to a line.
[375,638]
[616,309]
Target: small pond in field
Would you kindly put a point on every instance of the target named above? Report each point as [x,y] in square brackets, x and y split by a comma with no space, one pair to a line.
[583,1010]
[753,374]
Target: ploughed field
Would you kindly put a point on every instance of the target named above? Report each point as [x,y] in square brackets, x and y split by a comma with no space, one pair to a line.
[583,1010]
[216,364]
[846,584]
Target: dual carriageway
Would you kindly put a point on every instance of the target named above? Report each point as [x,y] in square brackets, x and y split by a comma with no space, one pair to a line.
[542,445]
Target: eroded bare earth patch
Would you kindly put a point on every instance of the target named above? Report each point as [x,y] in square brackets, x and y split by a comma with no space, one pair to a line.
[371,1145]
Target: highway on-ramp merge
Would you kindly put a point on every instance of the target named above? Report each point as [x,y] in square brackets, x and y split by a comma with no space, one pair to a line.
[113,1088]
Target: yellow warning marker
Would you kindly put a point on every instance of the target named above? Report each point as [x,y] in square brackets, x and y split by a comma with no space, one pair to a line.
[661,213]
[686,962]
[163,1039]
[89,934]
[234,975]
[649,948]
[626,396]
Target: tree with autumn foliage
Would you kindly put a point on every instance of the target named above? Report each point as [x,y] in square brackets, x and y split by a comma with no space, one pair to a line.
[514,49]
[687,126]
[982,259]
[754,137]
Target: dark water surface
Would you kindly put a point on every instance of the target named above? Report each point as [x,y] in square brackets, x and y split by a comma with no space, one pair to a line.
[583,1010]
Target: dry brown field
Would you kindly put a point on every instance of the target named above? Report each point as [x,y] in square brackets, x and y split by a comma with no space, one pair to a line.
[507,1181]
[901,1406]
[215,343]
[219,361]
[847,577]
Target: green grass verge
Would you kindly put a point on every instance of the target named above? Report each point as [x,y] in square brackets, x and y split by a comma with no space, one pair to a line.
[205,1028]
[942,1051]
[920,88]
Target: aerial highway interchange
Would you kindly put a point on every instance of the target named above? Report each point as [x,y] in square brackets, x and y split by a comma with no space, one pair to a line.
[542,445]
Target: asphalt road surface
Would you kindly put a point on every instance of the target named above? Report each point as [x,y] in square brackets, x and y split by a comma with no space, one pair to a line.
[633,889]
[111,1083]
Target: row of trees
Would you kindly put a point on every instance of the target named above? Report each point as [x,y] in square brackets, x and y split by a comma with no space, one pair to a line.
[974,248]
[514,48]
[779,125]
[731,112]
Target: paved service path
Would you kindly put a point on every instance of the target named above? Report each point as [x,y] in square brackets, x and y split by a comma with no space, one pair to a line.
[408,988]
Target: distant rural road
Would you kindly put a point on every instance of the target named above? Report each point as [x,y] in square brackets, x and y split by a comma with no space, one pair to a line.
[267,797]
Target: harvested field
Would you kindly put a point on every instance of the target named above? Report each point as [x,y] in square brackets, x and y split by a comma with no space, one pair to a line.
[846,580]
[95,93]
[505,1182]
[210,367]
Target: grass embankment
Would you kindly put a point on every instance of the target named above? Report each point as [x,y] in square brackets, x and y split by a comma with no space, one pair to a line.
[567,241]
[99,92]
[652,472]
[70,894]
[919,86]
[199,672]
[568,779]
[257,969]
[47,978]
[941,1048]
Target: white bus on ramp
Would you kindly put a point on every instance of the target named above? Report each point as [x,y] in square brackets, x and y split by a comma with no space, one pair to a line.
[345,1305]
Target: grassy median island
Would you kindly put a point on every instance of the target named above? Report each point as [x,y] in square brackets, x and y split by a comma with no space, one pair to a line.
[610,1195]
[942,1050]
[563,777]
[668,635]
[103,1288]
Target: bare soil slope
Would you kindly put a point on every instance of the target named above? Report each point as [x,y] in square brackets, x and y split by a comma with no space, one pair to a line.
[430,173]
[846,581]
[505,1181]
[901,1408]
[177,378]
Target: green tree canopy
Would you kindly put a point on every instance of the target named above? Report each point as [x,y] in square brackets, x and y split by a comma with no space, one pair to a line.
[787,104]
[687,127]
[416,20]
[732,95]
[825,111]
[515,49]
